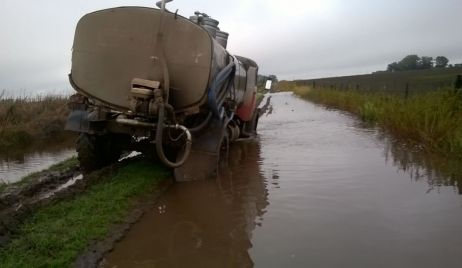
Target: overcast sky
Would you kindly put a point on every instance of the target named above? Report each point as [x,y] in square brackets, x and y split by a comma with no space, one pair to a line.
[291,39]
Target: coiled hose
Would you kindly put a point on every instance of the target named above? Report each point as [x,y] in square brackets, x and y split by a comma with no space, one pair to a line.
[161,112]
[159,139]
[216,93]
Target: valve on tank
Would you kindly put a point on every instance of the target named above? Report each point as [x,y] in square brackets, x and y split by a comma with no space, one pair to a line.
[146,95]
[211,26]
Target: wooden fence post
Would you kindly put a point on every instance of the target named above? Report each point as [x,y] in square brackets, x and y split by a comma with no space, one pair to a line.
[458,82]
[406,92]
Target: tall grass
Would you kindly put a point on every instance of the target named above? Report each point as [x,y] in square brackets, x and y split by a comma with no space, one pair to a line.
[25,120]
[432,120]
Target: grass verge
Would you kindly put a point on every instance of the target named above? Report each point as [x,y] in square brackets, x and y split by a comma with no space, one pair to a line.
[259,98]
[3,186]
[432,120]
[55,235]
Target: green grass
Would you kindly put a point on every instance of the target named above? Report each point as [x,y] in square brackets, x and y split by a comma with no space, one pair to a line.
[3,186]
[55,235]
[66,164]
[259,97]
[432,119]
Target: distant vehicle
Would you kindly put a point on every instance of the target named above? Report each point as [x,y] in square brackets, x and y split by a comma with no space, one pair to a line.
[151,80]
[268,84]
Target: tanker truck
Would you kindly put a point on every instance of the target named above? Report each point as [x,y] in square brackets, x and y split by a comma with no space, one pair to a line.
[150,80]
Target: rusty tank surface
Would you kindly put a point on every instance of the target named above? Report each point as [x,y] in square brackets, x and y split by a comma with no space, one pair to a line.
[153,81]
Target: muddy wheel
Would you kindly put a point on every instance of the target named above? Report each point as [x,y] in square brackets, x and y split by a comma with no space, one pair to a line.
[94,152]
[205,153]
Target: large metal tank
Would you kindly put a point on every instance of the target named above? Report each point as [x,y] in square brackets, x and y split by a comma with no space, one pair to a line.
[114,46]
[142,70]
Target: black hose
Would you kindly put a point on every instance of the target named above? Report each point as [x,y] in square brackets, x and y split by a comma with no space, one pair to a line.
[222,94]
[215,87]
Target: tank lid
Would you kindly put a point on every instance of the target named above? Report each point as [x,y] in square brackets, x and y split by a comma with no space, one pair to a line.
[209,21]
[222,34]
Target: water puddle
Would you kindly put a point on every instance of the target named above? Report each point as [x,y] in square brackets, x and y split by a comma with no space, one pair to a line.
[12,169]
[61,187]
[318,189]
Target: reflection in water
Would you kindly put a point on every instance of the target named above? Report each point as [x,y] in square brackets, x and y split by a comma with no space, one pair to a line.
[437,171]
[13,168]
[206,223]
[413,160]
[318,192]
[275,179]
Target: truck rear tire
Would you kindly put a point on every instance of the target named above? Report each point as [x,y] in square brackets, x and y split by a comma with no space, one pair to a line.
[95,152]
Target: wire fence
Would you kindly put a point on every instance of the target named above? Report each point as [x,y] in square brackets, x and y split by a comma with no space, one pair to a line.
[402,83]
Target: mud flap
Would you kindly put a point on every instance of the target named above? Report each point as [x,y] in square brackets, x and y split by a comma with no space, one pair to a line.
[205,152]
[250,128]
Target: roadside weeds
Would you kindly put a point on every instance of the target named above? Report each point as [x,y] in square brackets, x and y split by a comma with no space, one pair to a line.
[432,120]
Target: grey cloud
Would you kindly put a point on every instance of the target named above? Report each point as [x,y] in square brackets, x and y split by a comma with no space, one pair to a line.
[297,39]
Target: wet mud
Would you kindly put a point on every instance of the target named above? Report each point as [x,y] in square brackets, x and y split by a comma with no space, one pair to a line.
[317,189]
[19,201]
[96,251]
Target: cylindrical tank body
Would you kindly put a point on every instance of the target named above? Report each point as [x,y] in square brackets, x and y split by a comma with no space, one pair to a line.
[114,46]
[247,104]
[222,38]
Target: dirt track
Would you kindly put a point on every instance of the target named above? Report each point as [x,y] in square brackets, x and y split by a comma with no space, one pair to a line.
[20,200]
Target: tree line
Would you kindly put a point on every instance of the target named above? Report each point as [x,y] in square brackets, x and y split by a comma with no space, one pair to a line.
[414,62]
[263,78]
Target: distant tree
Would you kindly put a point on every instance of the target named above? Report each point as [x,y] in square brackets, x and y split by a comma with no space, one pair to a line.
[393,67]
[425,62]
[261,81]
[414,62]
[458,65]
[410,62]
[273,78]
[441,62]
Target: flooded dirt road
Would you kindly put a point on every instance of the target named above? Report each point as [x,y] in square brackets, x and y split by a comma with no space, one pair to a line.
[317,189]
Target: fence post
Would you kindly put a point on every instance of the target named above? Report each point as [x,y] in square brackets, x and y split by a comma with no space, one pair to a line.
[458,82]
[406,92]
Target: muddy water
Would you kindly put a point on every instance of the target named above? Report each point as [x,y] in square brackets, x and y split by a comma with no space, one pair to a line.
[317,190]
[13,168]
